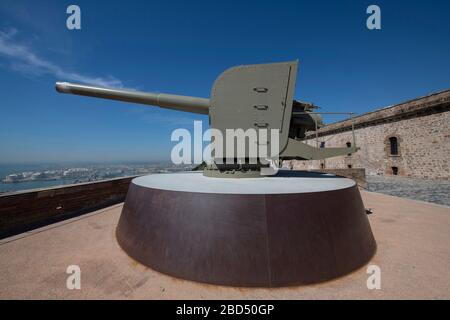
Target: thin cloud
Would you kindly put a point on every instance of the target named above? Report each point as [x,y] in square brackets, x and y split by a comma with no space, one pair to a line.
[25,61]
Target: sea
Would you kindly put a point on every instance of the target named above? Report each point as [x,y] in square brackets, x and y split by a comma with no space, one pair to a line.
[6,169]
[105,170]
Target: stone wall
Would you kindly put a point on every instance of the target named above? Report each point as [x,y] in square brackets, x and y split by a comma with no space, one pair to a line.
[25,210]
[422,129]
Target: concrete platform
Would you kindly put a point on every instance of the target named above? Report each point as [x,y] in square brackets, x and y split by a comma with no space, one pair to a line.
[413,254]
[286,182]
[295,228]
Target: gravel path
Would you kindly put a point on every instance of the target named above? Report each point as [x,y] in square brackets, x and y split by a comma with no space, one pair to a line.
[435,191]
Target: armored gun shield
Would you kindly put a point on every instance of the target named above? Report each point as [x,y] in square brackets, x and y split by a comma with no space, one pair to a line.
[255,97]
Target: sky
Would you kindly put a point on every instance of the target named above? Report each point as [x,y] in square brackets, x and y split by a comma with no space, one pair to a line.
[180,47]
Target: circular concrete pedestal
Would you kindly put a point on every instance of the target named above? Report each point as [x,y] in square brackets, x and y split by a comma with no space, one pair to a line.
[295,228]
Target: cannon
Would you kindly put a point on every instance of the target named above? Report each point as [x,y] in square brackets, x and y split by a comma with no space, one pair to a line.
[291,228]
[258,97]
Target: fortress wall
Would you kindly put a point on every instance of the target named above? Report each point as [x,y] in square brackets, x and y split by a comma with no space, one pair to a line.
[26,210]
[422,129]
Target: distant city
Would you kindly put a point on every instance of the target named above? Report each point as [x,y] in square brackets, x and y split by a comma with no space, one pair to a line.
[41,176]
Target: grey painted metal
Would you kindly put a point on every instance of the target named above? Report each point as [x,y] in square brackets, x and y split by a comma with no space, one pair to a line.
[214,172]
[299,150]
[244,97]
[255,96]
[306,118]
[163,100]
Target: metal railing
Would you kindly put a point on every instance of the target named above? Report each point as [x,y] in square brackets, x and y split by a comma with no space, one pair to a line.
[351,118]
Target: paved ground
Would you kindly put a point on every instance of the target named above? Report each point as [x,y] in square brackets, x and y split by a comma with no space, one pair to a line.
[413,254]
[435,191]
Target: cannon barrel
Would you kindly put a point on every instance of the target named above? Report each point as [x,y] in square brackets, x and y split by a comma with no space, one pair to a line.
[168,101]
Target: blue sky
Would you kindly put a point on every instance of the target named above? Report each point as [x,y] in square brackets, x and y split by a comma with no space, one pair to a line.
[181,47]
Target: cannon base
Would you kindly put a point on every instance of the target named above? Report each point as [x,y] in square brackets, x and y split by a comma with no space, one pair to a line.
[292,229]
